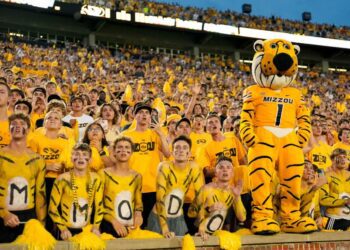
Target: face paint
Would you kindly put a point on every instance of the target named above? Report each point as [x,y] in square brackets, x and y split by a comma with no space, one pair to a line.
[13,127]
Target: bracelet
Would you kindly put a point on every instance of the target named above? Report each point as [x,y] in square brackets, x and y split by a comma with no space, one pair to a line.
[102,153]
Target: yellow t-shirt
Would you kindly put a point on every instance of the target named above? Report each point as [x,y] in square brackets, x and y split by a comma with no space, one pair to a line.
[33,118]
[146,156]
[199,141]
[22,183]
[52,151]
[230,147]
[68,132]
[320,155]
[5,136]
[122,196]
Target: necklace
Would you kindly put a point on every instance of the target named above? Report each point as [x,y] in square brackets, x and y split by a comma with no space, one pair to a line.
[74,188]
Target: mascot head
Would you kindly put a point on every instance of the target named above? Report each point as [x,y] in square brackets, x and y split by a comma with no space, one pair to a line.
[275,63]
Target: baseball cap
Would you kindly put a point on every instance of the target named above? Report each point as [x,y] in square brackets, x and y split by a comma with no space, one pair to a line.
[20,92]
[76,97]
[40,89]
[141,105]
[184,119]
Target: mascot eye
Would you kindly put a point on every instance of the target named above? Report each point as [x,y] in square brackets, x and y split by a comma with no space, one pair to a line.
[273,46]
[286,46]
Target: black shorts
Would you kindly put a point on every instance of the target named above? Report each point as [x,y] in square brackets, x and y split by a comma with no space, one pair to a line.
[73,231]
[107,227]
[337,224]
[9,234]
[148,201]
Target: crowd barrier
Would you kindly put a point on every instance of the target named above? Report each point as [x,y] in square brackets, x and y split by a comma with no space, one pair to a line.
[314,241]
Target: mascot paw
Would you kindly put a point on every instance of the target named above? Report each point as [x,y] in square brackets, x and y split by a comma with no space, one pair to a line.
[301,225]
[265,226]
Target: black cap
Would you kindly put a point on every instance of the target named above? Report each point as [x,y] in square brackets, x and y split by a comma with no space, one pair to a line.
[19,91]
[76,97]
[25,102]
[141,105]
[40,89]
[53,97]
[184,119]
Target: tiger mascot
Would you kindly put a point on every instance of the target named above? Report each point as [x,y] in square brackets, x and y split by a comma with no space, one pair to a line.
[275,124]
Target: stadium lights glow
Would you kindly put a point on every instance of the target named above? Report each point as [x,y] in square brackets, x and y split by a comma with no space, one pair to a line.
[220,28]
[58,8]
[246,61]
[36,3]
[158,20]
[90,10]
[263,34]
[302,66]
[337,70]
[217,28]
[122,15]
[16,34]
[193,25]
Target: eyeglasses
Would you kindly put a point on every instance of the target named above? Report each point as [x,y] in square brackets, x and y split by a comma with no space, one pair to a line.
[95,129]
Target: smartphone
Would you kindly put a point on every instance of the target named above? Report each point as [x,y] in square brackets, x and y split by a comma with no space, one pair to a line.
[320,172]
[154,119]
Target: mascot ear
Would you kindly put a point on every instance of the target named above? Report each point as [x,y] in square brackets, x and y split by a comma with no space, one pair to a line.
[296,49]
[258,46]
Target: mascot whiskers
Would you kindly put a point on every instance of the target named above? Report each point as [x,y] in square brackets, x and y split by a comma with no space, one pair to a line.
[275,124]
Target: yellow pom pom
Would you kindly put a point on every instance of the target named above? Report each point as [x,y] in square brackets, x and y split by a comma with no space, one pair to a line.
[128,95]
[211,105]
[171,79]
[190,81]
[180,87]
[159,105]
[167,88]
[36,237]
[143,234]
[228,241]
[106,236]
[244,231]
[316,99]
[188,243]
[210,95]
[87,240]
[341,107]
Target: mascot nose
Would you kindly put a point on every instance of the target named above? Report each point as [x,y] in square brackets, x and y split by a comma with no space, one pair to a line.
[282,61]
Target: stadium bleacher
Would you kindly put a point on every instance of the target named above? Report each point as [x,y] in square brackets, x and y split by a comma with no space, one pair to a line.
[125,73]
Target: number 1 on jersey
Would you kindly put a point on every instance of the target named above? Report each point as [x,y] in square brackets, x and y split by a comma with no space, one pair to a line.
[279,114]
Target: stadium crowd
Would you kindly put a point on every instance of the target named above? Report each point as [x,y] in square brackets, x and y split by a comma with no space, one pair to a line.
[148,139]
[228,17]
